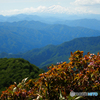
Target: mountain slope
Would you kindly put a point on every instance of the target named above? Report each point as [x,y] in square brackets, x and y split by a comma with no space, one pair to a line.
[87,23]
[26,24]
[15,69]
[14,39]
[20,17]
[62,52]
[52,54]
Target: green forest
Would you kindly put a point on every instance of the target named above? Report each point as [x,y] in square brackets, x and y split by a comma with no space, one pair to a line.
[14,70]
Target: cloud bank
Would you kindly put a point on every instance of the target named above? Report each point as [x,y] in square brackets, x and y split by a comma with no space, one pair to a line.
[76,7]
[41,9]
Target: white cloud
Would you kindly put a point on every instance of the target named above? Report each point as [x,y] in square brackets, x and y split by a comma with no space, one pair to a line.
[54,9]
[86,2]
[57,9]
[51,9]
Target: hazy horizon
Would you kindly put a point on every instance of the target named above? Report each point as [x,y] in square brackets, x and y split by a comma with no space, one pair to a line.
[72,7]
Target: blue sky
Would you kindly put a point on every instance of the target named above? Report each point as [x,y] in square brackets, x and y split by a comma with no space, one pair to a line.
[11,7]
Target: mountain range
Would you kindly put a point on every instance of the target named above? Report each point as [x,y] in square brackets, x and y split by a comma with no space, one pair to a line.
[47,18]
[42,43]
[51,54]
[22,36]
[88,23]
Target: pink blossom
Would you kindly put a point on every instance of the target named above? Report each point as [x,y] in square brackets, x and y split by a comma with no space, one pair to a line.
[91,63]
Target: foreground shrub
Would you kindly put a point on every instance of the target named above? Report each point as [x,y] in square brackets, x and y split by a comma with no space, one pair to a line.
[81,74]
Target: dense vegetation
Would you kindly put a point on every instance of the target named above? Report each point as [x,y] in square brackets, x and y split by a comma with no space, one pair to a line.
[81,74]
[15,69]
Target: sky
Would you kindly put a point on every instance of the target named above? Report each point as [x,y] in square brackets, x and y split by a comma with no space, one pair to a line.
[12,7]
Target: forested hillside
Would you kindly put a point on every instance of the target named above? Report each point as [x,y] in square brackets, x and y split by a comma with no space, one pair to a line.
[14,70]
[26,35]
[56,53]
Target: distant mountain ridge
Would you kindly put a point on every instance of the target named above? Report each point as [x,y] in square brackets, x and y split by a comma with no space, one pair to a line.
[19,17]
[87,23]
[51,54]
[26,24]
[25,35]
